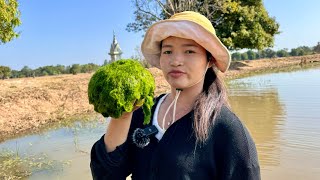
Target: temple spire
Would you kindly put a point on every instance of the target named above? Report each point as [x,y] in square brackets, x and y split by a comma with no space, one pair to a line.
[115,50]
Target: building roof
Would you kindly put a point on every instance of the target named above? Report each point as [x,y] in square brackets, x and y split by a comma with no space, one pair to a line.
[115,47]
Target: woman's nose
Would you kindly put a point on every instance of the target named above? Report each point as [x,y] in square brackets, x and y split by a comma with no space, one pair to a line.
[176,60]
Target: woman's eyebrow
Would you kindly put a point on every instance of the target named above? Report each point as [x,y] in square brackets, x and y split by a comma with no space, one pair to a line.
[183,45]
[166,46]
[189,45]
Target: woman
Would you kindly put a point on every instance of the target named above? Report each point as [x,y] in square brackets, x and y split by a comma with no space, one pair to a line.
[193,133]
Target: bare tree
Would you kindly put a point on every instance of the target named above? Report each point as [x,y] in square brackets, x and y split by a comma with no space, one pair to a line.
[150,11]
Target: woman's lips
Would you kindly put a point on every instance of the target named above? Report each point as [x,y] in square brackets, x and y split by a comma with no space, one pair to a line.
[176,74]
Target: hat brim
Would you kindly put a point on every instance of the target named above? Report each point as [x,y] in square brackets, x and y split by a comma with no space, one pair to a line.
[161,30]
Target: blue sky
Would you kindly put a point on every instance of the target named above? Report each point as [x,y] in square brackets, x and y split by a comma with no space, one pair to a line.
[77,31]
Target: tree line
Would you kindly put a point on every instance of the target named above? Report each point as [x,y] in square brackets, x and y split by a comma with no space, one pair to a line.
[269,53]
[6,72]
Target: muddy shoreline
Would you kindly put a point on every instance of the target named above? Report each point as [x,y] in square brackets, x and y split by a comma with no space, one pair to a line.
[30,104]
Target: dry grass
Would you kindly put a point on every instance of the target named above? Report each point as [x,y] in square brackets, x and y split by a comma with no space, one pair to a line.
[243,68]
[29,103]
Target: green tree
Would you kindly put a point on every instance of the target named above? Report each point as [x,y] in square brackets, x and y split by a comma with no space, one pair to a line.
[75,69]
[5,72]
[301,51]
[15,74]
[251,55]
[282,53]
[48,70]
[316,48]
[26,72]
[246,24]
[236,56]
[38,71]
[239,23]
[244,56]
[67,71]
[307,50]
[257,55]
[295,52]
[88,68]
[262,54]
[9,20]
[269,53]
[61,69]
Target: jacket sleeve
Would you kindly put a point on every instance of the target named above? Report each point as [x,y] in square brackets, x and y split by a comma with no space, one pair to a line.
[237,157]
[117,164]
[112,165]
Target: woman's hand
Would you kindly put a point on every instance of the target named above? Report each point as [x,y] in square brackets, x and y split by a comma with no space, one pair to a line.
[118,128]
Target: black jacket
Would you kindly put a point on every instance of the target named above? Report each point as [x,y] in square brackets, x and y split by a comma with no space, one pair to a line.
[229,153]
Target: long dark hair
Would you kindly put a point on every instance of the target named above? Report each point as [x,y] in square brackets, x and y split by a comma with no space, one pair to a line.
[208,104]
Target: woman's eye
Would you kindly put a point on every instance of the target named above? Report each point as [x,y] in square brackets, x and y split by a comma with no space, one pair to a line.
[189,51]
[166,52]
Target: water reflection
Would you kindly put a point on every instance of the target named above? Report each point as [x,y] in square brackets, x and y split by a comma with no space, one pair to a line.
[263,114]
[281,111]
[69,146]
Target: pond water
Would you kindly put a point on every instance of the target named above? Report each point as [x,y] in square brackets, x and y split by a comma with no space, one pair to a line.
[68,148]
[281,111]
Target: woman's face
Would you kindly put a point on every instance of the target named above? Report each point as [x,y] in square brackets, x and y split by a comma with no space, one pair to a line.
[183,62]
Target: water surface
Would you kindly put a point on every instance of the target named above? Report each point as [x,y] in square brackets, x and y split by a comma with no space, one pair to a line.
[282,112]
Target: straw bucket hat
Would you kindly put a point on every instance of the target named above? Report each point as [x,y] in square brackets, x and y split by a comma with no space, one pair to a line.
[188,25]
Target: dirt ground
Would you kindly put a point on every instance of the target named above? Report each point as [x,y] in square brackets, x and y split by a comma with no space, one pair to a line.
[28,104]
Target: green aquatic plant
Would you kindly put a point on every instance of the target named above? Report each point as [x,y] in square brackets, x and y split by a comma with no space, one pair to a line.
[16,166]
[119,87]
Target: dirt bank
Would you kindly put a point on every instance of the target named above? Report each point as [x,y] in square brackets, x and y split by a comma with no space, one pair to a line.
[27,104]
[245,68]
